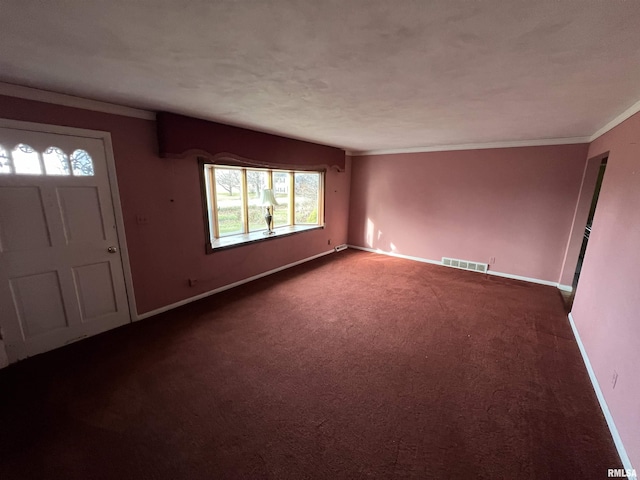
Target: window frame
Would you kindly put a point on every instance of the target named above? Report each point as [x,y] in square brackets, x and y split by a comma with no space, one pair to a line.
[214,241]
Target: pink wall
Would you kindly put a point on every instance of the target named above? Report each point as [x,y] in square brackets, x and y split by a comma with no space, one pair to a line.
[514,204]
[607,303]
[169,250]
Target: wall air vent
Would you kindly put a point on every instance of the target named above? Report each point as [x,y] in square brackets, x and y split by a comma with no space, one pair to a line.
[339,248]
[465,264]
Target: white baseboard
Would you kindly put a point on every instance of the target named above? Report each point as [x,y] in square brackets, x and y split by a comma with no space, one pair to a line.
[166,308]
[565,288]
[490,272]
[524,279]
[626,462]
[397,255]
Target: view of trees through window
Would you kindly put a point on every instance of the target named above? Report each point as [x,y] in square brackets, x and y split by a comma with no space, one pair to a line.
[257,181]
[228,200]
[238,198]
[307,186]
[281,182]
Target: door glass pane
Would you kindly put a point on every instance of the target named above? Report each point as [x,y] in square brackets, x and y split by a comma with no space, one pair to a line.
[56,162]
[257,181]
[283,197]
[307,187]
[229,200]
[26,160]
[5,166]
[81,163]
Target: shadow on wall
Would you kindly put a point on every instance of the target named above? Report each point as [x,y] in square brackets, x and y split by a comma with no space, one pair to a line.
[377,240]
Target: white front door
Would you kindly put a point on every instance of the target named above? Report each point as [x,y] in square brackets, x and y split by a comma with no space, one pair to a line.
[61,274]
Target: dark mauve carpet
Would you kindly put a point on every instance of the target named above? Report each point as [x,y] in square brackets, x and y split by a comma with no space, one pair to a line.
[355,365]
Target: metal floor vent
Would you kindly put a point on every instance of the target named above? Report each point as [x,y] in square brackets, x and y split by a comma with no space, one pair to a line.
[465,264]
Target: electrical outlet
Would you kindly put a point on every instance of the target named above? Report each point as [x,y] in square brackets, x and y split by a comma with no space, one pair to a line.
[614,379]
[329,242]
[492,260]
[142,219]
[192,282]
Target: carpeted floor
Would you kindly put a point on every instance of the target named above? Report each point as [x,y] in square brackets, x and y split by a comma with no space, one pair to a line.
[353,366]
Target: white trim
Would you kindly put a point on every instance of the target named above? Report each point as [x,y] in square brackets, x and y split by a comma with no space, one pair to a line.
[397,255]
[58,129]
[113,184]
[565,288]
[55,98]
[524,279]
[626,462]
[490,272]
[166,308]
[628,113]
[632,110]
[474,146]
[46,96]
[122,238]
[573,222]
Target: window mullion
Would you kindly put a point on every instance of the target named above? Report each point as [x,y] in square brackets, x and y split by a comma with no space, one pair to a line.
[214,203]
[245,202]
[12,168]
[292,194]
[41,160]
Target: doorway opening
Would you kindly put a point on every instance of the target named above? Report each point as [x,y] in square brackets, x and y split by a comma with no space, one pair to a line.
[587,228]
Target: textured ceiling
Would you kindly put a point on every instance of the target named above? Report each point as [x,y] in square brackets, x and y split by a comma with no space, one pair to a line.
[357,74]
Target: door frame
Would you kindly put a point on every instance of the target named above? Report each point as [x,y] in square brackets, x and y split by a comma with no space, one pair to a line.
[113,188]
[579,222]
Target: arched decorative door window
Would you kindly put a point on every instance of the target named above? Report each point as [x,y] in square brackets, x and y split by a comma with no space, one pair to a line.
[81,163]
[56,162]
[25,160]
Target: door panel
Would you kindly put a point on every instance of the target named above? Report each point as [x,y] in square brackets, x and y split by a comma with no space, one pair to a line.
[17,204]
[81,214]
[57,276]
[95,288]
[38,302]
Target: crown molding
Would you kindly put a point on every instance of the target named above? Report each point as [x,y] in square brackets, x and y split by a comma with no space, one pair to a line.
[629,112]
[475,146]
[46,96]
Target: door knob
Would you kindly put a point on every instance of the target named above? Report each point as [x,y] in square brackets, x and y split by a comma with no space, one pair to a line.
[112,249]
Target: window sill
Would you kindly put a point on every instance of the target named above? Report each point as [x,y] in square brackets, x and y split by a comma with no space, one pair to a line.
[233,241]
